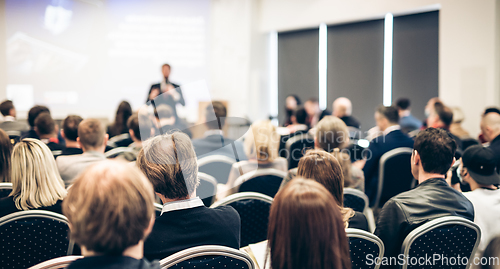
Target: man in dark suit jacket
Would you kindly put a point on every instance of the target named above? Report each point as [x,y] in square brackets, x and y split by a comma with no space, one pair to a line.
[214,142]
[169,162]
[387,119]
[166,92]
[9,114]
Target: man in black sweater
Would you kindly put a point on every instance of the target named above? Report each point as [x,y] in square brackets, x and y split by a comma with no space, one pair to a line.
[169,162]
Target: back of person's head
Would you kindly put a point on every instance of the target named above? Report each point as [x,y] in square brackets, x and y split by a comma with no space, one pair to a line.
[403,104]
[444,113]
[458,114]
[91,134]
[109,207]
[490,125]
[5,152]
[123,112]
[44,124]
[70,127]
[436,149]
[331,133]
[491,110]
[390,113]
[170,163]
[342,106]
[491,255]
[35,178]
[215,115]
[300,115]
[164,111]
[34,112]
[306,228]
[6,107]
[140,126]
[262,142]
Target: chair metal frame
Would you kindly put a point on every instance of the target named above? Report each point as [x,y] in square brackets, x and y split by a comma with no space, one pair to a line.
[210,179]
[208,250]
[116,151]
[38,214]
[5,185]
[293,139]
[257,173]
[158,207]
[436,223]
[56,263]
[367,211]
[381,170]
[242,196]
[215,159]
[357,233]
[112,141]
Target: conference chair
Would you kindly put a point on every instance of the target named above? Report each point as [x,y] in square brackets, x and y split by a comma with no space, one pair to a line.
[113,153]
[361,245]
[414,133]
[210,256]
[394,175]
[122,140]
[218,166]
[207,188]
[5,189]
[56,263]
[445,237]
[265,181]
[33,236]
[14,136]
[158,209]
[254,214]
[296,147]
[358,201]
[355,133]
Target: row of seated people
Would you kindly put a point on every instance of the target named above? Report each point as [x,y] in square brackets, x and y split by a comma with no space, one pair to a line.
[169,163]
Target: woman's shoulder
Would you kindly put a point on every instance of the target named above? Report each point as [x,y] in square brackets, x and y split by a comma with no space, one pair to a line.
[7,206]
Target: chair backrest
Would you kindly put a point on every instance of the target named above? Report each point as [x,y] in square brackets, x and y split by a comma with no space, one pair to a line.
[414,133]
[448,237]
[265,181]
[394,176]
[56,263]
[355,133]
[14,136]
[158,209]
[207,188]
[364,247]
[118,151]
[122,140]
[37,234]
[210,256]
[5,189]
[254,214]
[217,166]
[296,146]
[355,199]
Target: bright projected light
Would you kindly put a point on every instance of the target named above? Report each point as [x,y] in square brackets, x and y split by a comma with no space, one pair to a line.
[322,65]
[273,75]
[388,59]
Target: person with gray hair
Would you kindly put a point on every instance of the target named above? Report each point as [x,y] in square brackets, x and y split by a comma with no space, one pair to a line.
[342,108]
[490,130]
[170,163]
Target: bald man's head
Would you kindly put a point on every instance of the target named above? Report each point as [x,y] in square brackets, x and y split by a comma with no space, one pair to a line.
[342,107]
[490,126]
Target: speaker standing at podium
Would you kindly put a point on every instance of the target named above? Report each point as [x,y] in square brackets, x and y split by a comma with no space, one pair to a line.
[171,93]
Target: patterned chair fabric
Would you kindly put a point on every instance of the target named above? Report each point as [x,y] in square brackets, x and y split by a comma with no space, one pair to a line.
[449,237]
[361,245]
[254,214]
[30,237]
[355,199]
[214,257]
[5,189]
[265,181]
[296,147]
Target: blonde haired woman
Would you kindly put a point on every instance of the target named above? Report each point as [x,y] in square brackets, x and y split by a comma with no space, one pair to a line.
[36,183]
[261,146]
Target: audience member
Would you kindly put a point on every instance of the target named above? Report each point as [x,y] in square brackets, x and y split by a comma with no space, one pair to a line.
[32,114]
[261,147]
[298,123]
[490,129]
[478,169]
[36,184]
[491,109]
[46,129]
[70,134]
[323,167]
[442,117]
[429,108]
[140,129]
[170,163]
[306,229]
[456,125]
[9,118]
[110,211]
[407,121]
[92,139]
[433,155]
[119,126]
[167,122]
[5,152]
[342,109]
[332,136]
[492,255]
[214,142]
[291,103]
[387,119]
[314,112]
